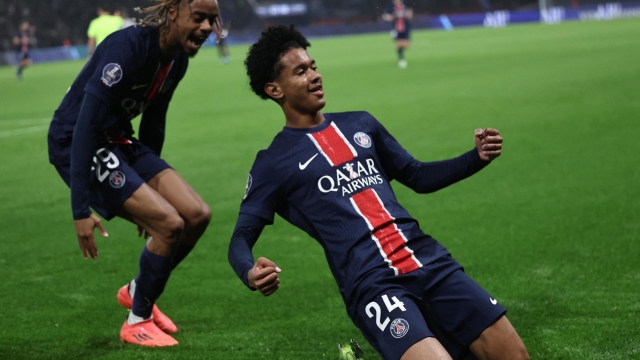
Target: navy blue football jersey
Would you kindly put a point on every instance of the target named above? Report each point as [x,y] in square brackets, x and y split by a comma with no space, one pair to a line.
[401,22]
[126,72]
[333,182]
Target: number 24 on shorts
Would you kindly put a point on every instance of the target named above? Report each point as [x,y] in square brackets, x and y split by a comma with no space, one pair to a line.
[378,312]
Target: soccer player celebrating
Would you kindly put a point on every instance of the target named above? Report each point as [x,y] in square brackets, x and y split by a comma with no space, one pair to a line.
[135,71]
[400,15]
[329,175]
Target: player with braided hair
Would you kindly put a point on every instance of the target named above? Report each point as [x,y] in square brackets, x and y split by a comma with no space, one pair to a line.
[329,175]
[91,144]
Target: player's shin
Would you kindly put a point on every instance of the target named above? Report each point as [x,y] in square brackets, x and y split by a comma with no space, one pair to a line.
[150,283]
[181,253]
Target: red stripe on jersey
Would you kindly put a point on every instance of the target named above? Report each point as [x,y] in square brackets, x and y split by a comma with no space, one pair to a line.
[390,240]
[400,26]
[333,145]
[159,80]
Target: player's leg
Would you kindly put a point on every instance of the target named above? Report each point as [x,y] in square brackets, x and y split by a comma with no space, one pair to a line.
[394,325]
[499,341]
[185,204]
[23,62]
[461,314]
[426,349]
[402,44]
[189,205]
[149,209]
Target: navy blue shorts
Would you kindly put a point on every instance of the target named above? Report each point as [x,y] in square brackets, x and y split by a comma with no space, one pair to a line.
[402,35]
[454,309]
[117,172]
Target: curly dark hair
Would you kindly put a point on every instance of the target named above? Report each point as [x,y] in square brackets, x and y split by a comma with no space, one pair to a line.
[263,60]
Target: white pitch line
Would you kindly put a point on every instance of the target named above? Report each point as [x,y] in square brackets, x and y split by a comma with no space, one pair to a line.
[28,130]
[24,122]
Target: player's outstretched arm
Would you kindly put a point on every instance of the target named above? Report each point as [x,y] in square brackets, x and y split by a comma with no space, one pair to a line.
[86,240]
[263,276]
[428,177]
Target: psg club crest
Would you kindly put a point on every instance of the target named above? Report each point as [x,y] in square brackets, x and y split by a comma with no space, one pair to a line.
[111,74]
[399,328]
[117,179]
[362,139]
[246,189]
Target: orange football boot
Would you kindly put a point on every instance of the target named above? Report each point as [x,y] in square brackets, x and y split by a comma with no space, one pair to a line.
[162,321]
[145,333]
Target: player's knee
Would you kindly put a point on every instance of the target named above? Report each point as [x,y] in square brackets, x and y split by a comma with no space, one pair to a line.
[521,353]
[172,228]
[199,216]
[514,350]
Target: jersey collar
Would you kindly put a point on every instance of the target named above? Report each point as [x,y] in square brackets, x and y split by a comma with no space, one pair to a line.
[296,131]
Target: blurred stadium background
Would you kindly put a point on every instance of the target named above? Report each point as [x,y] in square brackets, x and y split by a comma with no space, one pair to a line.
[59,22]
[551,229]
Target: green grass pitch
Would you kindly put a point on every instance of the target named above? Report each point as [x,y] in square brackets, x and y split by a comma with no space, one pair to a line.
[551,229]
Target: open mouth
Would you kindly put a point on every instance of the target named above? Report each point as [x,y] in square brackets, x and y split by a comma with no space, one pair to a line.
[317,90]
[196,40]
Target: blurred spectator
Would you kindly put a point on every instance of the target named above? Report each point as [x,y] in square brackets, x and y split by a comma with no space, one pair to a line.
[102,26]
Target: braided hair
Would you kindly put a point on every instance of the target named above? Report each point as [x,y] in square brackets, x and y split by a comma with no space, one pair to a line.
[160,9]
[263,60]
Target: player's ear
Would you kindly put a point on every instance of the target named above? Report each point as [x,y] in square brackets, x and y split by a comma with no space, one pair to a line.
[273,90]
[172,12]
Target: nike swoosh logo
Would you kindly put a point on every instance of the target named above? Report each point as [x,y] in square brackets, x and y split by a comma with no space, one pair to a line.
[138,86]
[304,166]
[493,301]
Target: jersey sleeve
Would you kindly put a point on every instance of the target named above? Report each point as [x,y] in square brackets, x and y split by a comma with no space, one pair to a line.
[263,190]
[113,65]
[247,231]
[91,31]
[392,155]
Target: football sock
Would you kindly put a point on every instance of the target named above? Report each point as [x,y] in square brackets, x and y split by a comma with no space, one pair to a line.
[133,319]
[19,71]
[181,253]
[150,282]
[400,53]
[132,288]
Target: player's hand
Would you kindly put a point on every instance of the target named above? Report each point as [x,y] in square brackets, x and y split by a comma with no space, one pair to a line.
[84,229]
[143,233]
[488,143]
[263,276]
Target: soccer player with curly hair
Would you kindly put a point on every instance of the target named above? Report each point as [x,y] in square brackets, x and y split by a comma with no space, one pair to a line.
[329,174]
[91,144]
